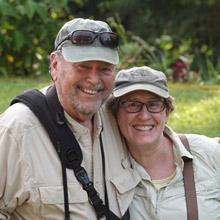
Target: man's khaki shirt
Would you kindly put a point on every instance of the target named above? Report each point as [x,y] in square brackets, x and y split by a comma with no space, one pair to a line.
[31,176]
[168,203]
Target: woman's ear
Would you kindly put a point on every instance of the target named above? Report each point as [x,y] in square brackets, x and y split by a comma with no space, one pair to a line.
[167,116]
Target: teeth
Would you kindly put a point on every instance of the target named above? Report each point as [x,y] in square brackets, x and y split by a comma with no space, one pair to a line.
[144,127]
[89,91]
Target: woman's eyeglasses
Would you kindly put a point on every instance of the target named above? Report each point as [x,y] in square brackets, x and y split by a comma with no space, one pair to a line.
[85,37]
[154,106]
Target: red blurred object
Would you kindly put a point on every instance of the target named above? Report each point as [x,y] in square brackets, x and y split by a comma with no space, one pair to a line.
[180,71]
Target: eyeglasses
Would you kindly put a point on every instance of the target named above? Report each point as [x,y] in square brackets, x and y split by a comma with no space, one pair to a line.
[154,106]
[85,37]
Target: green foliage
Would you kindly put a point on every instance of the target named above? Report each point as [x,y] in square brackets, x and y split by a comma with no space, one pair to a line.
[154,33]
[27,29]
[163,52]
[208,65]
[159,54]
[182,29]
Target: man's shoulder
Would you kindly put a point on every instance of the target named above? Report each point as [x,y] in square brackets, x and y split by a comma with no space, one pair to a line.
[203,145]
[200,145]
[199,139]
[18,115]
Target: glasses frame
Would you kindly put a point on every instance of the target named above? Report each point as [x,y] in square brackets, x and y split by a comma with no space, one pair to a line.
[146,104]
[94,36]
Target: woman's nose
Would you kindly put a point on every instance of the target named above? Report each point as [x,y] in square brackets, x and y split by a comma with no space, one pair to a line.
[144,113]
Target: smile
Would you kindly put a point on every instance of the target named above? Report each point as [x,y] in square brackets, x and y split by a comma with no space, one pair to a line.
[88,91]
[143,127]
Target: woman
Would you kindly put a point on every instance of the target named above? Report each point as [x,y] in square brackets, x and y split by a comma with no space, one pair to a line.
[142,105]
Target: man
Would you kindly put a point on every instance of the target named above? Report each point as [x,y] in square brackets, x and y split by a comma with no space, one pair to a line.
[82,67]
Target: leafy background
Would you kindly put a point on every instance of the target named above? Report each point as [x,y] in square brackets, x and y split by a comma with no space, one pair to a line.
[153,33]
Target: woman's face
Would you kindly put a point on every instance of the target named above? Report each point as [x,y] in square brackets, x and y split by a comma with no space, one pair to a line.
[142,128]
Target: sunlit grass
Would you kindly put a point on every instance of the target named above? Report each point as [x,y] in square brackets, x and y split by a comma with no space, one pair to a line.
[197,109]
[197,106]
[10,87]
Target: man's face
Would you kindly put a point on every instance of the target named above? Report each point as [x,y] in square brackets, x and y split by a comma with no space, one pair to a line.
[82,87]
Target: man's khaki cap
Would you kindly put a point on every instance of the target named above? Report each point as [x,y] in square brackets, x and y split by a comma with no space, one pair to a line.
[79,53]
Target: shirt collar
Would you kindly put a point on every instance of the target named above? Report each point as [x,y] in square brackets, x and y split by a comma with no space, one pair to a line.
[180,148]
[79,130]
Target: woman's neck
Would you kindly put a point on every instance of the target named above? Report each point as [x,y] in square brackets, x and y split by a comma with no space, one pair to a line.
[157,160]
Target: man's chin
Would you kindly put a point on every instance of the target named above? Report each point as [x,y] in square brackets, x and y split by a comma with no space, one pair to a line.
[90,109]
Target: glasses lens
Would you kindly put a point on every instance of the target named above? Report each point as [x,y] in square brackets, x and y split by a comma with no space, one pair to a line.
[83,37]
[131,107]
[135,106]
[155,106]
[109,39]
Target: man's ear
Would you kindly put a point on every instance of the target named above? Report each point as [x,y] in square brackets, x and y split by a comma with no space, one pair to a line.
[53,66]
[217,139]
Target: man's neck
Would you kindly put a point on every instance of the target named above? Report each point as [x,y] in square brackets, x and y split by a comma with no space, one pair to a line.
[85,120]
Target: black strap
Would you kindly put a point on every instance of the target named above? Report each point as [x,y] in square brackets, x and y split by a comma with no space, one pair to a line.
[65,192]
[36,101]
[189,183]
[72,154]
[88,186]
[51,115]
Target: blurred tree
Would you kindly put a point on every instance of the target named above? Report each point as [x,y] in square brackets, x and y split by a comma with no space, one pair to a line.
[197,19]
[28,28]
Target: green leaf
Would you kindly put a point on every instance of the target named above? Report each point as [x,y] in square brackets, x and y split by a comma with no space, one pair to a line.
[19,39]
[41,10]
[7,9]
[30,8]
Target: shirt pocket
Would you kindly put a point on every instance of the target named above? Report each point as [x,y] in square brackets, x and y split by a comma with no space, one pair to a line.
[203,188]
[4,216]
[52,201]
[208,198]
[125,186]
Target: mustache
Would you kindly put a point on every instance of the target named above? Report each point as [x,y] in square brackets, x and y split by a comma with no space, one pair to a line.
[97,87]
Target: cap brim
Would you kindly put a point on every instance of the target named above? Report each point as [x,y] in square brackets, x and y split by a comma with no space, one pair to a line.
[134,87]
[89,53]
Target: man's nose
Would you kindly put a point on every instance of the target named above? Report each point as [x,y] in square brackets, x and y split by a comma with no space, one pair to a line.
[94,75]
